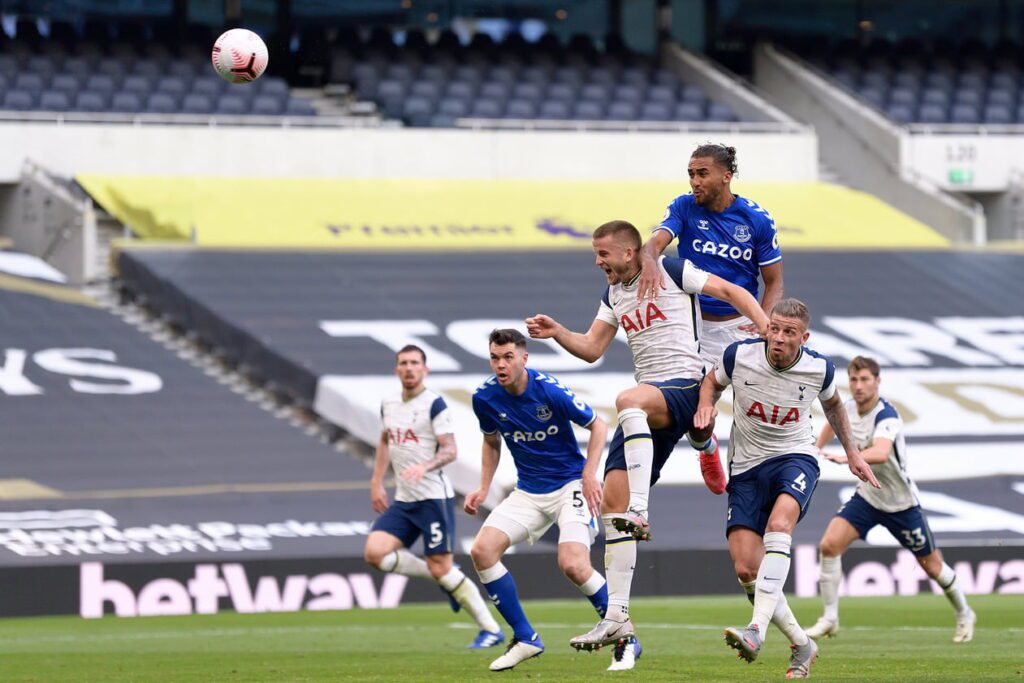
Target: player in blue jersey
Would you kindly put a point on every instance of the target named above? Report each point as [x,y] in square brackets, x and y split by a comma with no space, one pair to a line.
[721,233]
[878,430]
[729,236]
[534,413]
[416,440]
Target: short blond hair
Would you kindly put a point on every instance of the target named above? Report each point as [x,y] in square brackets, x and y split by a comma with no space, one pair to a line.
[793,308]
[621,230]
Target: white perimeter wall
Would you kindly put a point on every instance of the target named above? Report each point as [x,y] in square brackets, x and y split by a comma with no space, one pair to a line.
[67,149]
[967,163]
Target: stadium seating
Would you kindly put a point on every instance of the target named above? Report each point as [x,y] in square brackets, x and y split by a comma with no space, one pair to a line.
[967,84]
[72,72]
[433,85]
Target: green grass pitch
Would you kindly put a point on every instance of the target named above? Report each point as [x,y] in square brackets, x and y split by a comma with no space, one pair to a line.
[883,639]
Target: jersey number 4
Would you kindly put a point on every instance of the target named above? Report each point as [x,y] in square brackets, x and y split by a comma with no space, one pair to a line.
[800,483]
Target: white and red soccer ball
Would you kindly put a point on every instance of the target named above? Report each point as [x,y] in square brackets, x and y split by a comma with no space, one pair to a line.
[239,56]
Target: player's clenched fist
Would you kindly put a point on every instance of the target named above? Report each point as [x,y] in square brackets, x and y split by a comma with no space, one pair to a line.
[473,501]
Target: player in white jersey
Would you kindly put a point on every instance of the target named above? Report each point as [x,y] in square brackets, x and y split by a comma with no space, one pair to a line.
[878,431]
[417,441]
[772,465]
[663,337]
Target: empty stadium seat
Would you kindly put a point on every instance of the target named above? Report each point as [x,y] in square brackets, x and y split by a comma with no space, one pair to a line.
[539,77]
[53,100]
[232,105]
[522,109]
[160,103]
[554,110]
[197,103]
[589,110]
[91,100]
[19,100]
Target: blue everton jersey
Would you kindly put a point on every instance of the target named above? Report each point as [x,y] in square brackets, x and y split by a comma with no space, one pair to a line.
[732,244]
[536,428]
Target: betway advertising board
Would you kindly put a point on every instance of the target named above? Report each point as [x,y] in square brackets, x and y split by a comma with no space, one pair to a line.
[95,589]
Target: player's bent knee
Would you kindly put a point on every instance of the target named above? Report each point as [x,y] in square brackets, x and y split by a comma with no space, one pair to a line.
[576,569]
[780,525]
[373,554]
[483,556]
[745,572]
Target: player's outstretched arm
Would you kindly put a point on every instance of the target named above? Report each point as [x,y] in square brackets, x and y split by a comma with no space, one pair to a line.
[836,416]
[651,282]
[589,346]
[490,455]
[878,451]
[595,449]
[381,460]
[445,454]
[741,300]
[824,439]
[710,392]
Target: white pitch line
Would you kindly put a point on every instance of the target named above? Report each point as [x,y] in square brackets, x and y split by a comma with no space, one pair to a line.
[390,628]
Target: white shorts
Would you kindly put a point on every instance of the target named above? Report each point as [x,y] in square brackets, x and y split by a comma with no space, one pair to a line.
[716,335]
[526,516]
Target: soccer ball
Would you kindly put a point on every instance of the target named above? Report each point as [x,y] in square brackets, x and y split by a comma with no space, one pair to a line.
[239,56]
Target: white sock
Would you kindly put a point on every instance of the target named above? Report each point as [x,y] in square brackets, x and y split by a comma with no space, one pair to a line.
[786,622]
[707,446]
[403,562]
[639,451]
[593,584]
[468,595]
[783,618]
[619,562]
[947,581]
[831,573]
[771,577]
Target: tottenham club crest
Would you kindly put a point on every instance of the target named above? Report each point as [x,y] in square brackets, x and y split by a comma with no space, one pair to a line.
[543,412]
[741,233]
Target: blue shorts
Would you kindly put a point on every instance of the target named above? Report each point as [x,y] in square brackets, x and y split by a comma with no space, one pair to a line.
[433,519]
[909,526]
[681,397]
[752,494]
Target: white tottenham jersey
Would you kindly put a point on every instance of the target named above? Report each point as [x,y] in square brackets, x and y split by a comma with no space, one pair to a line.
[663,335]
[898,490]
[772,408]
[412,427]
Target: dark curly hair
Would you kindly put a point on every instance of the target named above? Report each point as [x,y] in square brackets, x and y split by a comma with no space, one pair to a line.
[723,156]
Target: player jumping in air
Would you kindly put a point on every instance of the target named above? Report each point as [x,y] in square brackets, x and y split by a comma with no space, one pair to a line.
[417,441]
[878,432]
[533,412]
[729,236]
[772,464]
[653,416]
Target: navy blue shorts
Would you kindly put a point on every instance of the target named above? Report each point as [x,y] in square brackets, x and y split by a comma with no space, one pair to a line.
[681,397]
[433,519]
[909,526]
[752,494]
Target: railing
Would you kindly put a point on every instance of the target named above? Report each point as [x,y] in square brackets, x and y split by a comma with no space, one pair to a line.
[211,120]
[966,128]
[632,126]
